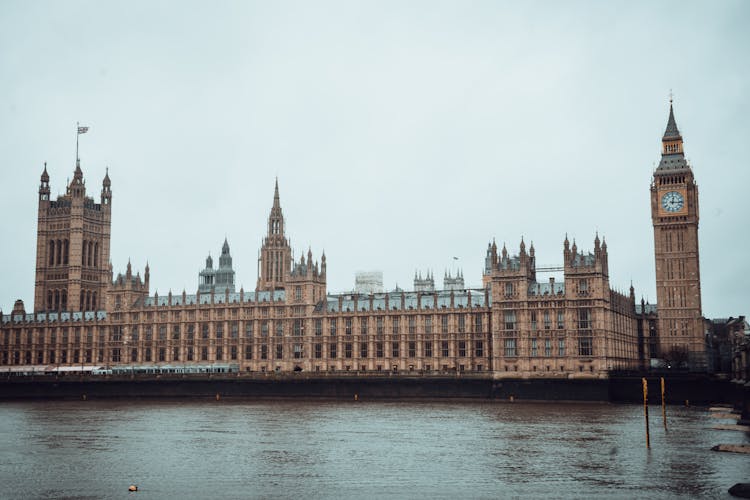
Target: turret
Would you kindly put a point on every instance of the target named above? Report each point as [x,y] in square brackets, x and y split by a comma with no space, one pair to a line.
[106,191]
[44,185]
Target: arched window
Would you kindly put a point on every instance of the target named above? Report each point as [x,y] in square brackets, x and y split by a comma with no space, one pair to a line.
[83,294]
[96,254]
[57,300]
[51,253]
[66,249]
[91,251]
[49,300]
[59,252]
[93,301]
[88,301]
[83,259]
[64,300]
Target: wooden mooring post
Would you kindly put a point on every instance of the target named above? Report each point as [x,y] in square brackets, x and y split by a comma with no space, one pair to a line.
[645,410]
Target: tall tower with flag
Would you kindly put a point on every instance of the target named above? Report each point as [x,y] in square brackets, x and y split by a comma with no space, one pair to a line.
[72,252]
[674,214]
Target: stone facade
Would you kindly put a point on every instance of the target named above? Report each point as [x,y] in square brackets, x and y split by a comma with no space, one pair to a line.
[674,212]
[515,326]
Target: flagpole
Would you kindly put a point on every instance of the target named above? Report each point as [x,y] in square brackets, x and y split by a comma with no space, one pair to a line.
[77,134]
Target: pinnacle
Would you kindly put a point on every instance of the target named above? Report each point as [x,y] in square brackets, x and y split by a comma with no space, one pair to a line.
[671,132]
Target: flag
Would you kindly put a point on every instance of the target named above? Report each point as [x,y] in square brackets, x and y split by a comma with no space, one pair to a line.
[82,130]
[455,258]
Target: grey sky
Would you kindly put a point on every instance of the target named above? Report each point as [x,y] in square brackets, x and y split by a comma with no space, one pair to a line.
[402,133]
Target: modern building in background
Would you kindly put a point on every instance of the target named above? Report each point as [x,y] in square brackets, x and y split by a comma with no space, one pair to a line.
[516,325]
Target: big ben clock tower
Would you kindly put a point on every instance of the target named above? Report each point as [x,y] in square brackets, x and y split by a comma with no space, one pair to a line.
[674,212]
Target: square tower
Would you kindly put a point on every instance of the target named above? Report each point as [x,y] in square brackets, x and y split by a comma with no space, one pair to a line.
[674,213]
[72,250]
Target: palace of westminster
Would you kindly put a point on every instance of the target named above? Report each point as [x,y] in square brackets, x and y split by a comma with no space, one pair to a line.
[515,326]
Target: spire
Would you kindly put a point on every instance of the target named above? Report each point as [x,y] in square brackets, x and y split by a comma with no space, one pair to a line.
[45,175]
[106,182]
[78,174]
[276,203]
[671,133]
[225,247]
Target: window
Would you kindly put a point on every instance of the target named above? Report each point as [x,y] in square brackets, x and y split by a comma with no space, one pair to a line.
[547,320]
[584,319]
[263,351]
[394,349]
[297,328]
[560,319]
[115,355]
[461,323]
[332,327]
[583,286]
[162,332]
[279,329]
[379,349]
[148,354]
[332,351]
[204,331]
[176,332]
[548,347]
[510,347]
[279,351]
[249,329]
[444,348]
[379,326]
[219,330]
[318,349]
[462,349]
[264,328]
[444,323]
[412,325]
[428,324]
[412,349]
[190,354]
[508,289]
[479,348]
[510,320]
[395,325]
[298,293]
[348,350]
[533,347]
[233,352]
[175,354]
[363,325]
[428,349]
[234,329]
[533,321]
[318,327]
[348,326]
[585,346]
[478,323]
[561,347]
[162,354]
[363,350]
[297,351]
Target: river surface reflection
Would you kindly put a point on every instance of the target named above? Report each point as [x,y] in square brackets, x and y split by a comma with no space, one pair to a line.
[319,449]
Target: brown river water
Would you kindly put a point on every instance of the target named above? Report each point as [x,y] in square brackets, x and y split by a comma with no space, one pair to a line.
[335,449]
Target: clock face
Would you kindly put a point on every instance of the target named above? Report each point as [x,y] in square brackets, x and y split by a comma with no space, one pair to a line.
[672,201]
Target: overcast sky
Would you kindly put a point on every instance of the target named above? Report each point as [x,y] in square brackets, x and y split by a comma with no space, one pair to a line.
[403,134]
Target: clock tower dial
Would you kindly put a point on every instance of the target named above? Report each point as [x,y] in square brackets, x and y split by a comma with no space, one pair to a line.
[674,214]
[672,201]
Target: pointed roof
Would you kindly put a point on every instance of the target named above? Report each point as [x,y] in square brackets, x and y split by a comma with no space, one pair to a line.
[225,247]
[106,182]
[671,133]
[78,174]
[45,175]
[672,158]
[276,203]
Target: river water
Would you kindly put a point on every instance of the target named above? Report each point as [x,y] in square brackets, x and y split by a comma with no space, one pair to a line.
[321,449]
